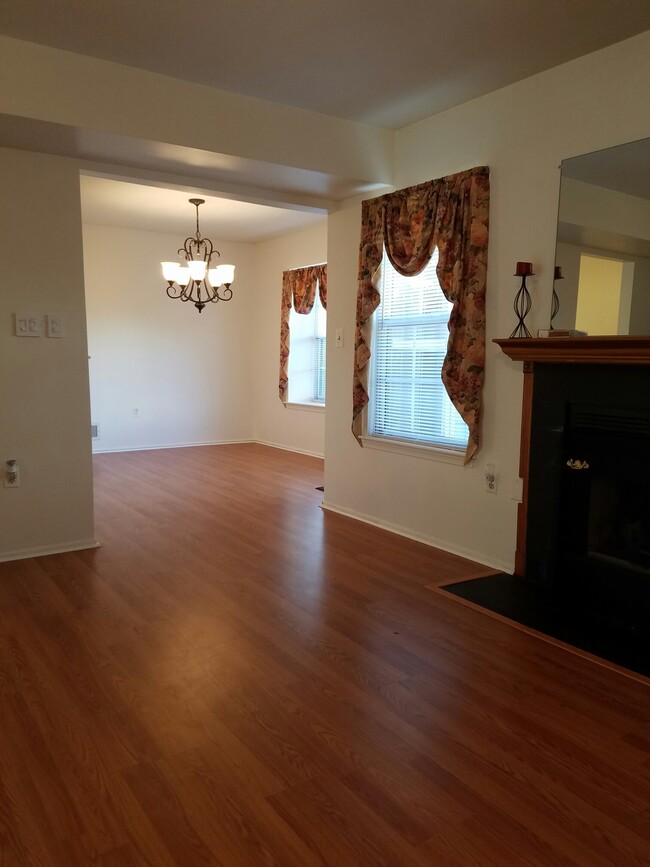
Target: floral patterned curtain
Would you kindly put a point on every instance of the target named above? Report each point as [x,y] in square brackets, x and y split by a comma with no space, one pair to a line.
[299,289]
[452,214]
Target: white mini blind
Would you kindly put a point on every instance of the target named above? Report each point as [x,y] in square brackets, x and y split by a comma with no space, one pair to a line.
[306,368]
[320,330]
[410,334]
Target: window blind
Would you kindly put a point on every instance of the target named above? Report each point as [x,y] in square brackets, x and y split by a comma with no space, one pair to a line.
[320,330]
[410,337]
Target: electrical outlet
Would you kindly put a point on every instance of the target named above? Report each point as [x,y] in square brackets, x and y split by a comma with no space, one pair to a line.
[490,479]
[136,411]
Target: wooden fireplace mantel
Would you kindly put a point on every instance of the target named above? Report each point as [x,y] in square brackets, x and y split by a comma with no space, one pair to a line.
[578,350]
[559,350]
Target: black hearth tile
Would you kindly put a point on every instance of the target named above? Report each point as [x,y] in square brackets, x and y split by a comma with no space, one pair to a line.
[613,633]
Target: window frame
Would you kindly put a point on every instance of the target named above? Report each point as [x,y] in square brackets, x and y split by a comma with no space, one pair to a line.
[312,354]
[426,449]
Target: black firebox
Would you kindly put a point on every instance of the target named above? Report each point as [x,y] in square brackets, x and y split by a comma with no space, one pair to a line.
[588,530]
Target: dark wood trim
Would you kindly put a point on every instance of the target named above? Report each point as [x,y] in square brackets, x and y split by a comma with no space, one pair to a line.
[578,350]
[559,350]
[524,464]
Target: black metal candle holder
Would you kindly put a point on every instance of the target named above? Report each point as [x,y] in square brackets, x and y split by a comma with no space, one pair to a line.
[555,301]
[522,303]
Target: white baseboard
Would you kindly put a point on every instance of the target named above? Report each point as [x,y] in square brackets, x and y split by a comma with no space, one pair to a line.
[98,451]
[460,551]
[288,448]
[45,550]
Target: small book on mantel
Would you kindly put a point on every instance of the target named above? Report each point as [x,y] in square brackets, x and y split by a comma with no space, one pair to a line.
[561,332]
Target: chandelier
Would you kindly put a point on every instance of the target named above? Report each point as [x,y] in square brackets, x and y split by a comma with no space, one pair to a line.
[196,281]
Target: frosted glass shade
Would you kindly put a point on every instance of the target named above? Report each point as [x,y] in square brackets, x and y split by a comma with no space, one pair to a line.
[183,277]
[170,270]
[197,269]
[222,274]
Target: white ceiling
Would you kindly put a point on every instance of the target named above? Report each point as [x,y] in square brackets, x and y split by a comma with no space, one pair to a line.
[137,206]
[374,61]
[364,60]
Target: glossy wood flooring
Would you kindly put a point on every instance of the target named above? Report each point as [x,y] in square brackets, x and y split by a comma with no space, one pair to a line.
[240,679]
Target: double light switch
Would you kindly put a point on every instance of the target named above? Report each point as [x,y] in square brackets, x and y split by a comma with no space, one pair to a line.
[35,325]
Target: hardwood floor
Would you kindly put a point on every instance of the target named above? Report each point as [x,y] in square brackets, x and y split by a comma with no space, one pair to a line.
[238,678]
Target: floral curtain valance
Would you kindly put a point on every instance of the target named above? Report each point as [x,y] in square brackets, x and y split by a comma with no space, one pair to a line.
[450,213]
[299,289]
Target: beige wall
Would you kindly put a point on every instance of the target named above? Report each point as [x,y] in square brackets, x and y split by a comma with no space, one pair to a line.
[185,373]
[44,406]
[592,207]
[194,378]
[522,132]
[46,84]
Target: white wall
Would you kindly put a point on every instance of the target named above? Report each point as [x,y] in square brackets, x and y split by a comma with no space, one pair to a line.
[275,424]
[187,373]
[522,132]
[44,406]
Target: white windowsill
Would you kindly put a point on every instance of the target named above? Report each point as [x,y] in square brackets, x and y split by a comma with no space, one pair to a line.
[310,406]
[416,450]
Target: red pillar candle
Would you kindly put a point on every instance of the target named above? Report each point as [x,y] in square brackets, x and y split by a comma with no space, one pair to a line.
[524,269]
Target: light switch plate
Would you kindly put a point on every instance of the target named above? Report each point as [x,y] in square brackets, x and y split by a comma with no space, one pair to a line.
[55,325]
[29,325]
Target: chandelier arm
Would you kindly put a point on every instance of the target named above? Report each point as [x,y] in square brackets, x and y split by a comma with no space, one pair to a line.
[186,250]
[226,294]
[197,248]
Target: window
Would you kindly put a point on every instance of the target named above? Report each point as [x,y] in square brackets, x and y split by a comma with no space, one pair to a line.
[320,330]
[307,358]
[409,342]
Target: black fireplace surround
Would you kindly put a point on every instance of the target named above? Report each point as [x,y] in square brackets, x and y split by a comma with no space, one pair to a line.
[588,524]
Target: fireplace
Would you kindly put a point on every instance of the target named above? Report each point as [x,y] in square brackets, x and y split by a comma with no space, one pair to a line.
[604,535]
[584,525]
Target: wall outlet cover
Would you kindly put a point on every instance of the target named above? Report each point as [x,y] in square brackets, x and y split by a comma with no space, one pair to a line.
[55,325]
[29,324]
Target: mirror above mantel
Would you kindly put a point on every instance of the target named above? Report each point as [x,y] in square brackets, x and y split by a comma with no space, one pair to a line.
[603,241]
